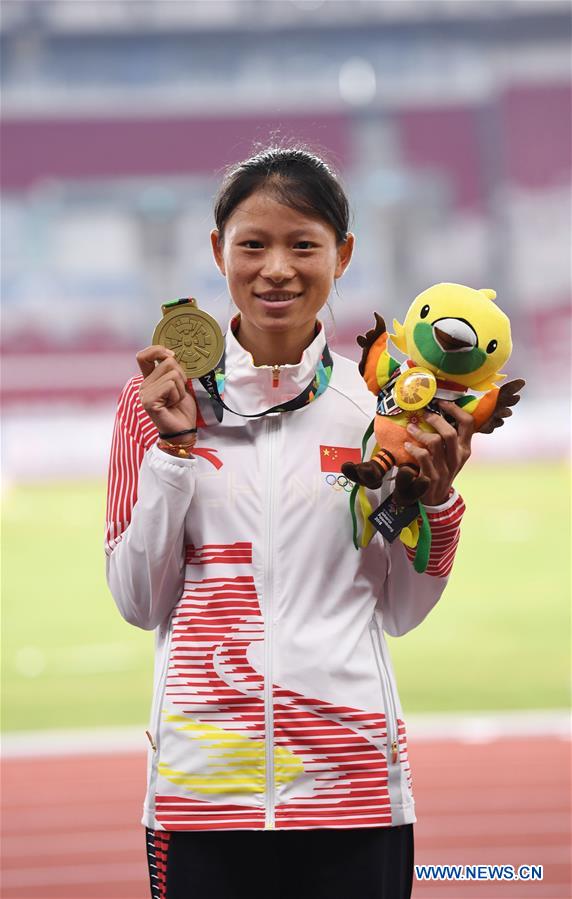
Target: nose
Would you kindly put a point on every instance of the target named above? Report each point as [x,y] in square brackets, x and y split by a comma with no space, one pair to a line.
[276,267]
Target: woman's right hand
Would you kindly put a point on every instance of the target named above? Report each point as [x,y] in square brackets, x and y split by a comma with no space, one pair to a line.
[164,393]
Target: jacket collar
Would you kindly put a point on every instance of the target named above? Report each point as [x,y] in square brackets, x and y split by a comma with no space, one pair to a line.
[249,388]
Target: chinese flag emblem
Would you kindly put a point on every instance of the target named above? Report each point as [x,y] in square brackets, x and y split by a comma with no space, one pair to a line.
[333,457]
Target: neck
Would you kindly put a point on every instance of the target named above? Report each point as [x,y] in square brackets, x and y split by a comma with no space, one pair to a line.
[284,348]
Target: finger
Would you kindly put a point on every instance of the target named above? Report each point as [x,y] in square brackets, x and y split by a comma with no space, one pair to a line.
[510,400]
[168,390]
[425,461]
[171,393]
[432,443]
[441,425]
[449,437]
[427,438]
[146,358]
[169,364]
[465,422]
[176,379]
[166,397]
[165,369]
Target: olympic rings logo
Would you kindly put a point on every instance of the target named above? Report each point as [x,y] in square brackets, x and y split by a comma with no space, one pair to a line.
[339,482]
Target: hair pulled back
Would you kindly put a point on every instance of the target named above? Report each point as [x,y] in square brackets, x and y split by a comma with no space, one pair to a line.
[295,177]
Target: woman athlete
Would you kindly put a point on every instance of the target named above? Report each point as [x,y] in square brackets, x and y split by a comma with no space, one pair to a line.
[278,757]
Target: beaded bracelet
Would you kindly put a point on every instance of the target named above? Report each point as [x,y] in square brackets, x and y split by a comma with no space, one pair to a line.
[177,449]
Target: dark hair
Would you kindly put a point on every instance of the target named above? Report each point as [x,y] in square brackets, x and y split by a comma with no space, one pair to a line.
[296,177]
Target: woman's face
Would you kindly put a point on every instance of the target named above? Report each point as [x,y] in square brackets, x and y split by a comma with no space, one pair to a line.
[280,265]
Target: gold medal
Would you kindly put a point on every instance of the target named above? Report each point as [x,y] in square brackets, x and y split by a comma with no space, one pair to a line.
[414,389]
[194,336]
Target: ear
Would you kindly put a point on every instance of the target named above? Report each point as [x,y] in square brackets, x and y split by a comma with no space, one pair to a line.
[217,248]
[344,251]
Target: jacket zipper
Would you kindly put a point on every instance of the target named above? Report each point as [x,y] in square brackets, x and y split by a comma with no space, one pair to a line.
[272,423]
[387,693]
[275,375]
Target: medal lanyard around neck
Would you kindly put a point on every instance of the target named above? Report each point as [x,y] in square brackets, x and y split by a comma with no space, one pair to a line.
[213,382]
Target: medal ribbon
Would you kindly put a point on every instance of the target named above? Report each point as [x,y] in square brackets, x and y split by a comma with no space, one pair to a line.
[213,382]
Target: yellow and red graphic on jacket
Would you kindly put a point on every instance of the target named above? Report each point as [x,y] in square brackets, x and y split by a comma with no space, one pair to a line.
[329,768]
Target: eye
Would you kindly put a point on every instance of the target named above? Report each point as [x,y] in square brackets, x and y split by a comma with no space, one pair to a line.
[492,345]
[425,311]
[251,244]
[304,245]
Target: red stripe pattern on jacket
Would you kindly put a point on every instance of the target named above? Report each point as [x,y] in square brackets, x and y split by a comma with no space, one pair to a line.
[445,534]
[133,434]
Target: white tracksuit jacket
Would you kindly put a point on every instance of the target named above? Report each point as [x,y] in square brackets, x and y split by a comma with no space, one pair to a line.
[275,703]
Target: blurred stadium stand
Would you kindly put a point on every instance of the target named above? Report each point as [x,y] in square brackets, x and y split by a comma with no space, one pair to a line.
[450,123]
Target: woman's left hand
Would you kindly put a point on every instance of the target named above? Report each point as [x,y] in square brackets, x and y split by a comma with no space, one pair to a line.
[442,454]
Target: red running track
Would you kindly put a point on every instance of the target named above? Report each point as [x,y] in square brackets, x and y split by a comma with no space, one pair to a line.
[503,802]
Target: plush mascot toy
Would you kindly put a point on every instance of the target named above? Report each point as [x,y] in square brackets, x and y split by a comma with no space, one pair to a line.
[456,340]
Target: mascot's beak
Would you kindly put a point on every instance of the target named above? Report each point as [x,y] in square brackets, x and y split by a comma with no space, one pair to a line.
[454,335]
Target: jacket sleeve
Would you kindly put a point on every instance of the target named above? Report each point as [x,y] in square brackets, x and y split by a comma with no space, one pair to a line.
[148,496]
[407,596]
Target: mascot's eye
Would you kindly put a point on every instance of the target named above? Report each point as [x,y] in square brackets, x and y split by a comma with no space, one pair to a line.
[492,345]
[425,311]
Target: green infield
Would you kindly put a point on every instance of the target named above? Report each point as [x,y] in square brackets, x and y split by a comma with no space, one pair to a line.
[498,639]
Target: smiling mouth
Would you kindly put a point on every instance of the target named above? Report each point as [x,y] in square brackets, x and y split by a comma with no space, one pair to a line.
[277,296]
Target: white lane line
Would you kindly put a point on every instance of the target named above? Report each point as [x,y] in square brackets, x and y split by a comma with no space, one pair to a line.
[480,727]
[96,741]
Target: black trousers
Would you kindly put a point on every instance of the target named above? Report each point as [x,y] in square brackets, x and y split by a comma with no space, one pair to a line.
[325,863]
